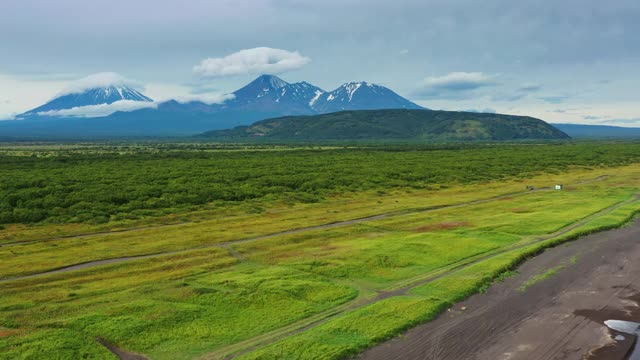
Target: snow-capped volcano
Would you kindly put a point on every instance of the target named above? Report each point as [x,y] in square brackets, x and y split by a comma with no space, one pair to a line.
[269,92]
[94,96]
[125,111]
[361,96]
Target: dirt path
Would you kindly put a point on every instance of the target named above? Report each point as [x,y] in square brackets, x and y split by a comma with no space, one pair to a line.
[101,233]
[227,244]
[560,317]
[121,354]
[85,265]
[409,284]
[398,290]
[292,231]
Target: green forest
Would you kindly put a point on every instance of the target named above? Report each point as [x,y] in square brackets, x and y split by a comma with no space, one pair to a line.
[393,124]
[110,185]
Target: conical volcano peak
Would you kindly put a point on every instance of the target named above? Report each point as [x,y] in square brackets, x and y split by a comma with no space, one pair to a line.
[92,96]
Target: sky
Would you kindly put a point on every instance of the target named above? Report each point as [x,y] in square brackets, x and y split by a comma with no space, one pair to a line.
[569,61]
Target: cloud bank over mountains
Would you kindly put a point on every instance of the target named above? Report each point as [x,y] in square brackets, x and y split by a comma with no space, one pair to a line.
[101,109]
[260,60]
[98,80]
[105,84]
[454,85]
[581,49]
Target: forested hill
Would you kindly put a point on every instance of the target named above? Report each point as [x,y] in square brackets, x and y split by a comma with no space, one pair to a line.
[397,124]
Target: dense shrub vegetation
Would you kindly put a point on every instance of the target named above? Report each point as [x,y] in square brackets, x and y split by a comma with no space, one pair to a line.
[216,286]
[106,186]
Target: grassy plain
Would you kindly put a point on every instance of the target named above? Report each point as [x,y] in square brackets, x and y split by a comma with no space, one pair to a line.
[315,293]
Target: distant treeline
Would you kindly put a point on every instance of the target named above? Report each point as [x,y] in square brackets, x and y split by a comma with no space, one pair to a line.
[112,186]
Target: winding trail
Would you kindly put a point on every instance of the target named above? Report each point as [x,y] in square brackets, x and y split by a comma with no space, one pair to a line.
[397,289]
[227,244]
[559,317]
[293,231]
[101,233]
[121,354]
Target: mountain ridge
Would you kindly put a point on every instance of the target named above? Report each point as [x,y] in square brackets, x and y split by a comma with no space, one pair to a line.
[267,96]
[394,124]
[311,99]
[361,96]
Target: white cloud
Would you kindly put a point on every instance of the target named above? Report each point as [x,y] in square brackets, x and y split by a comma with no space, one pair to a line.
[261,60]
[165,91]
[459,81]
[101,110]
[483,111]
[21,93]
[7,116]
[555,99]
[455,85]
[521,92]
[529,88]
[183,94]
[208,99]
[623,122]
[99,80]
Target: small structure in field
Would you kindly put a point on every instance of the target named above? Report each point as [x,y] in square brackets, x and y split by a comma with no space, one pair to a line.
[559,187]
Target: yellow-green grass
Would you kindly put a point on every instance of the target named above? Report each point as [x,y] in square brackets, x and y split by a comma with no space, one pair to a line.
[201,301]
[339,207]
[361,328]
[228,225]
[540,277]
[336,208]
[173,307]
[382,252]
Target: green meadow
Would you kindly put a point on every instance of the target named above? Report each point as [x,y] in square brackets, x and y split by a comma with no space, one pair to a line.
[339,249]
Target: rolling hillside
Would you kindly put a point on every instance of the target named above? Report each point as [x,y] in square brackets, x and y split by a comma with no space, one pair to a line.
[397,124]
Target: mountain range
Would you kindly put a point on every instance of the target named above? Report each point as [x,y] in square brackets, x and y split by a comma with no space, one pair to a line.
[267,96]
[271,93]
[122,111]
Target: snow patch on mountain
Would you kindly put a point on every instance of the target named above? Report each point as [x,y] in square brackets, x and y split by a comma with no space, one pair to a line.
[315,98]
[276,82]
[351,89]
[361,96]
